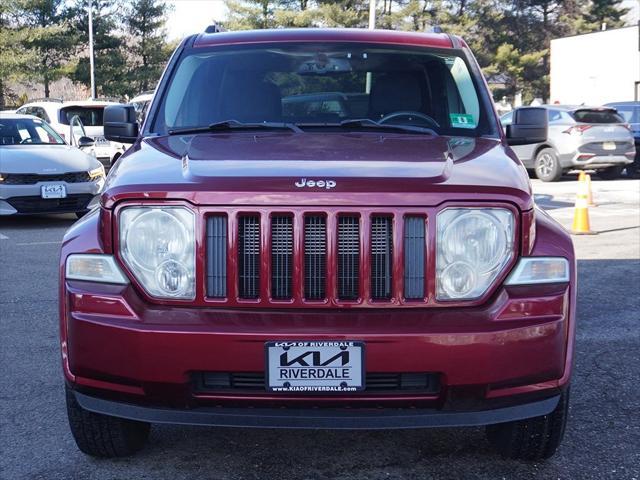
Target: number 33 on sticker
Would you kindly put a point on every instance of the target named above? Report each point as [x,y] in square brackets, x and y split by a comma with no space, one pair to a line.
[462,120]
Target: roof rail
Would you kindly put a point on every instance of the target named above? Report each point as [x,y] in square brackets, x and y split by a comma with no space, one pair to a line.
[107,99]
[214,28]
[45,99]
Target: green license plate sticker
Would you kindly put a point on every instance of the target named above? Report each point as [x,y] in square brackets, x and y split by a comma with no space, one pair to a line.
[462,120]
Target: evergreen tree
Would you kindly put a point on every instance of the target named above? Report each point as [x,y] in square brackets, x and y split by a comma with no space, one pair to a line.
[50,38]
[14,58]
[604,12]
[145,21]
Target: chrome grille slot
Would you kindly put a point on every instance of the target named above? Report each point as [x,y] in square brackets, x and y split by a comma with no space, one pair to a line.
[315,257]
[217,256]
[281,256]
[249,256]
[414,246]
[348,257]
[381,257]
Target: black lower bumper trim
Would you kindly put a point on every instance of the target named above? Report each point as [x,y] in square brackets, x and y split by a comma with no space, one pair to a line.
[339,419]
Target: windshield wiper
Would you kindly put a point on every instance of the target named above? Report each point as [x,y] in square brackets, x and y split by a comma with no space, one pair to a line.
[372,124]
[236,125]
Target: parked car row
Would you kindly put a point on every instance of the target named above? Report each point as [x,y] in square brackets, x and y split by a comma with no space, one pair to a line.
[584,138]
[54,156]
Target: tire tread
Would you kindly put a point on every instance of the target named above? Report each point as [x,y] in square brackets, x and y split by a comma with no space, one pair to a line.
[104,436]
[531,439]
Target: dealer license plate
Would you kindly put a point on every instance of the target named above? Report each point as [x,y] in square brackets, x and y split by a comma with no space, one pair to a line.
[54,190]
[319,366]
[609,145]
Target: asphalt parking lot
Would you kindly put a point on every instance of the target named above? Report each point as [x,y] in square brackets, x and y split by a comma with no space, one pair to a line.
[602,440]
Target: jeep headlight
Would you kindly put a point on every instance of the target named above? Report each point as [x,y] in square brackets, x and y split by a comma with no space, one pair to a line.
[473,247]
[158,246]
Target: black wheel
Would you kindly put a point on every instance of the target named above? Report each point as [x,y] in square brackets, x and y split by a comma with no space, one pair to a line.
[610,173]
[103,436]
[547,165]
[535,438]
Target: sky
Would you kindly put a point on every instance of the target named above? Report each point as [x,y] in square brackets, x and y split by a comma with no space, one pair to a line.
[193,16]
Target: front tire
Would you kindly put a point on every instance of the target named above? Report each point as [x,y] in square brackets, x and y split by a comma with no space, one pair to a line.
[104,436]
[611,173]
[547,165]
[531,439]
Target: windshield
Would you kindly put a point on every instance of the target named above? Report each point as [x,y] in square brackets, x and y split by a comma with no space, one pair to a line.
[319,86]
[27,131]
[90,116]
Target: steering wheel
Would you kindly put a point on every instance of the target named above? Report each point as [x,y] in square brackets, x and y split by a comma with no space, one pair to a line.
[409,115]
[26,140]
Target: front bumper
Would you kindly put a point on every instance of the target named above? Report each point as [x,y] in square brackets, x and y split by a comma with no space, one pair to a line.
[26,199]
[335,419]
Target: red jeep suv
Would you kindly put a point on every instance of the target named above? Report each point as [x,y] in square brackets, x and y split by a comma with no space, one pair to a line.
[318,229]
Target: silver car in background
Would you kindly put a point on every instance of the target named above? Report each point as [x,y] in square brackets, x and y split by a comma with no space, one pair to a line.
[579,138]
[40,173]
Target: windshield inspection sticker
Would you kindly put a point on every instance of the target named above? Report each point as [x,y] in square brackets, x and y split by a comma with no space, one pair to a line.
[462,120]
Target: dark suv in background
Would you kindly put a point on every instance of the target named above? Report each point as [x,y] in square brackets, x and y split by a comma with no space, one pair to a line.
[630,113]
[319,229]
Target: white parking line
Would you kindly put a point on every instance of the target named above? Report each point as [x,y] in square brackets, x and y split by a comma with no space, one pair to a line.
[3,237]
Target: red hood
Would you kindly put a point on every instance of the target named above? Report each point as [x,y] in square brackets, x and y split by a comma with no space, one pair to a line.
[264,168]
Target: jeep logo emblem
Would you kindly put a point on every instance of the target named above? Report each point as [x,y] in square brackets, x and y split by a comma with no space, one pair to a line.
[303,182]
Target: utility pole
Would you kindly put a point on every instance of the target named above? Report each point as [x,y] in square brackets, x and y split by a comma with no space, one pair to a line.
[91,65]
[372,25]
[372,14]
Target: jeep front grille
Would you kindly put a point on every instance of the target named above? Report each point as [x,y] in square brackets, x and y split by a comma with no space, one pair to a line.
[280,257]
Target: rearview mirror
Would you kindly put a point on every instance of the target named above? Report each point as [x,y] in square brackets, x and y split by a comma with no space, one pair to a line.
[120,123]
[530,125]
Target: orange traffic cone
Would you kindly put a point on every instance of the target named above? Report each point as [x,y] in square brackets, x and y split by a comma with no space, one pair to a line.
[582,176]
[581,211]
[590,201]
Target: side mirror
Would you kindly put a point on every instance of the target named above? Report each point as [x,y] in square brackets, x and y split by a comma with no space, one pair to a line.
[120,123]
[529,125]
[85,142]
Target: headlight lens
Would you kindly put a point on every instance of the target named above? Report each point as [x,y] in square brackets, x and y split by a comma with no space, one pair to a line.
[96,172]
[158,245]
[473,246]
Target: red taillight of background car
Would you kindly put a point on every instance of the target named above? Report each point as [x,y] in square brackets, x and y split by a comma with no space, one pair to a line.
[577,129]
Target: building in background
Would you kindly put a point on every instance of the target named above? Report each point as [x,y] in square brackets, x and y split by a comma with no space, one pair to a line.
[596,68]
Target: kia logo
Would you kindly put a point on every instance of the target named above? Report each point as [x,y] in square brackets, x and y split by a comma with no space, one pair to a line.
[303,182]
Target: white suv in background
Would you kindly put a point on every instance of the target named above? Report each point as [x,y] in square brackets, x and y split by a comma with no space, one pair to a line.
[59,113]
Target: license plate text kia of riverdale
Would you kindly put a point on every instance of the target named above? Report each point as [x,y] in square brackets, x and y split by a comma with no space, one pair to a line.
[320,229]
